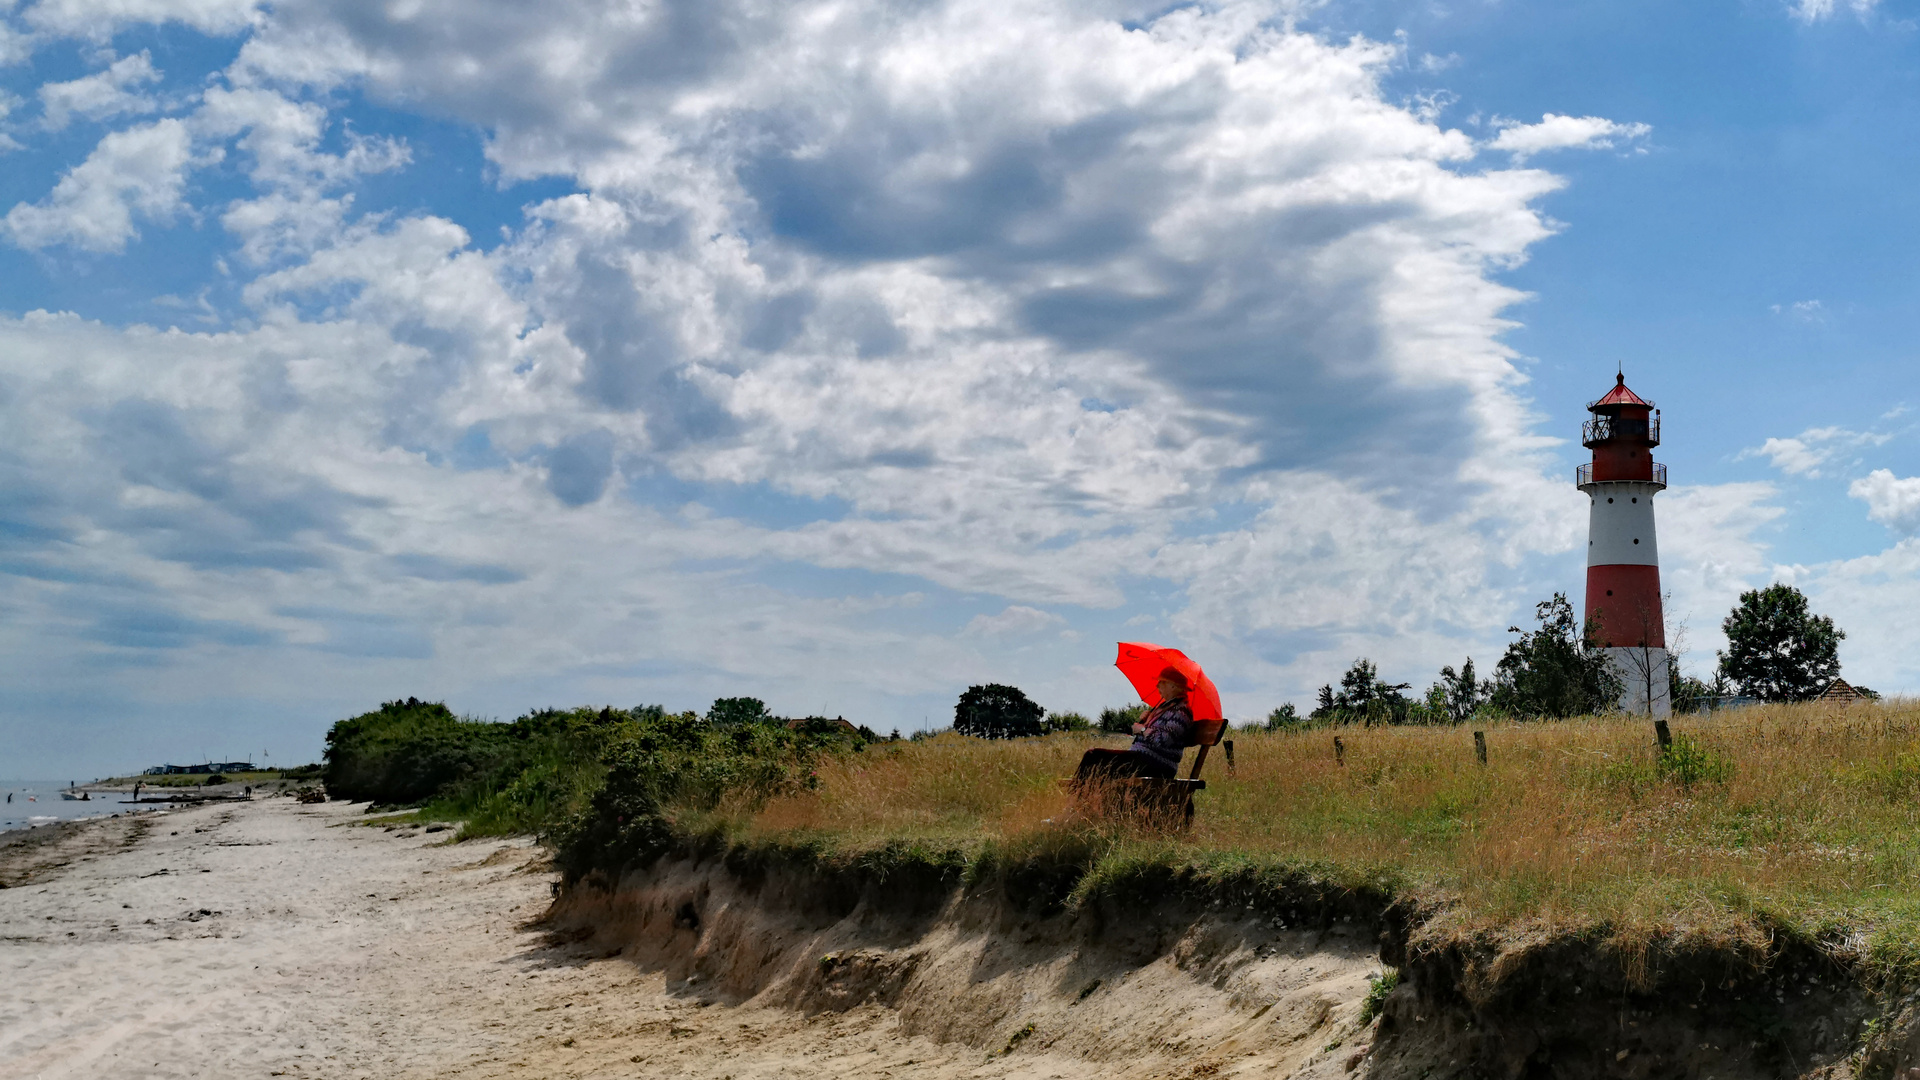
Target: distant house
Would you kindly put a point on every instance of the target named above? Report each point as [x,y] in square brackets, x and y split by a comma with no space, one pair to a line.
[201,770]
[1840,692]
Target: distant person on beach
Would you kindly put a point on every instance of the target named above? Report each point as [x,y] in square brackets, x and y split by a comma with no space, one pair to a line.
[1159,739]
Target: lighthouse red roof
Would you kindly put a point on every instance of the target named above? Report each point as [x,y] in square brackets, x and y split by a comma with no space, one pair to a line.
[1619,396]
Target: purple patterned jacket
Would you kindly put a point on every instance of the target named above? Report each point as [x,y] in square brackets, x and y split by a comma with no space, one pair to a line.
[1169,731]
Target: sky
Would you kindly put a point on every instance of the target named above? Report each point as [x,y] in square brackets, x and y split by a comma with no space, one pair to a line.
[845,354]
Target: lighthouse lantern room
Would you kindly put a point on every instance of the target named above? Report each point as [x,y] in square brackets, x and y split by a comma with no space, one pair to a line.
[1623,559]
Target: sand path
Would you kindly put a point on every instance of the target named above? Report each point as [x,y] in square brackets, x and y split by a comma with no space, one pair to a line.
[273,939]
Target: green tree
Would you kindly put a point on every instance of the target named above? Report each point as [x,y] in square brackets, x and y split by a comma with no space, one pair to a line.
[1456,695]
[729,711]
[993,711]
[1285,718]
[1120,721]
[1066,721]
[1776,649]
[1686,693]
[1363,697]
[1556,670]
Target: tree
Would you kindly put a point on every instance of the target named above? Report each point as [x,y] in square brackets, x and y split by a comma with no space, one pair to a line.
[1285,718]
[1776,649]
[733,711]
[994,711]
[1456,696]
[1363,696]
[1556,670]
[1120,721]
[1066,721]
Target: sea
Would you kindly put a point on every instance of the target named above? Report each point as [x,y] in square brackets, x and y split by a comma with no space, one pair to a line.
[38,802]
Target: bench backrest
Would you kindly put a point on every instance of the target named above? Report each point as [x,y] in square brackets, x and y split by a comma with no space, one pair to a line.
[1206,734]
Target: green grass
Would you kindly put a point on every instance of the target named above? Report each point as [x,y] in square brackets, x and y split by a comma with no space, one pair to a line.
[1803,820]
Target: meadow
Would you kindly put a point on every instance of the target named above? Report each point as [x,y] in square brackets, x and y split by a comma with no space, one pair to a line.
[1799,818]
[1785,819]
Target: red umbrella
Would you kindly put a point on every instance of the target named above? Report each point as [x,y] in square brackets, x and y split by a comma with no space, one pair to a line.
[1142,664]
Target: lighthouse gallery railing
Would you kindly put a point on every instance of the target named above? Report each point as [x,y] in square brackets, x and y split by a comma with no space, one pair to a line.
[1602,428]
[1583,475]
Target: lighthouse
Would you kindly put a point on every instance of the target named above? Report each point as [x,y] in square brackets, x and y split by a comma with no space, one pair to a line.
[1623,559]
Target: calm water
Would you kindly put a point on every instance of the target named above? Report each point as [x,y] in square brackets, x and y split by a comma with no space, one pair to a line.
[38,802]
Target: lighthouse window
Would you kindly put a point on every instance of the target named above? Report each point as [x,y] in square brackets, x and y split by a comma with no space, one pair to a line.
[1636,498]
[1609,500]
[1609,592]
[1636,539]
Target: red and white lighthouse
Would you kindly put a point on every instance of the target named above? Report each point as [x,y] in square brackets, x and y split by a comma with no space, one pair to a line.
[1623,559]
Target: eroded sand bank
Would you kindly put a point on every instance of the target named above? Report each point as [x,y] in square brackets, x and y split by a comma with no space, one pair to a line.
[272,939]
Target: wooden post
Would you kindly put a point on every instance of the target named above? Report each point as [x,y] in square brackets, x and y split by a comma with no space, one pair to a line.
[1666,737]
[1480,746]
[1339,752]
[1227,745]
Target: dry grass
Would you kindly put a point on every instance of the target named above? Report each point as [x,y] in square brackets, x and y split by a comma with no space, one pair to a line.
[1799,816]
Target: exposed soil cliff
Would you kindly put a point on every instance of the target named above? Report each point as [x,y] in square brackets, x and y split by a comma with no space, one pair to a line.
[1180,980]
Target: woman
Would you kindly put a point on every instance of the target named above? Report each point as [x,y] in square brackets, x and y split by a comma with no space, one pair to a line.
[1159,740]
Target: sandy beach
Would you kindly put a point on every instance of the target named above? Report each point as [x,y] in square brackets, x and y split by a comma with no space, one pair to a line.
[273,939]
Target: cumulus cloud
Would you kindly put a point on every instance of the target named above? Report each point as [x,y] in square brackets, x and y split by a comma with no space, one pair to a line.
[1806,453]
[141,170]
[1555,132]
[114,91]
[1892,501]
[100,18]
[851,301]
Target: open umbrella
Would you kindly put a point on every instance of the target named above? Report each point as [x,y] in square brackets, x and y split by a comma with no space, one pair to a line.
[1142,664]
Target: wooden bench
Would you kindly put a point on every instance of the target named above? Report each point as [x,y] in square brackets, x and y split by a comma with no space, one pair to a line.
[1169,801]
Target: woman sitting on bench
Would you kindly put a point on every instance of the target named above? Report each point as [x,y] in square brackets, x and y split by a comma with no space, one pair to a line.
[1159,740]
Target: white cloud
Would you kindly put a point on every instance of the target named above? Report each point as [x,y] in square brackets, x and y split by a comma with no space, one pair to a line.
[1892,501]
[103,94]
[1806,311]
[1812,11]
[1806,453]
[959,298]
[140,170]
[99,19]
[15,47]
[1555,132]
[1016,621]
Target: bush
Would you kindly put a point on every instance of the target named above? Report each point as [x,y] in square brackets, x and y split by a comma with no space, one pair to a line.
[1687,763]
[406,751]
[1066,721]
[994,711]
[1285,718]
[1120,721]
[728,711]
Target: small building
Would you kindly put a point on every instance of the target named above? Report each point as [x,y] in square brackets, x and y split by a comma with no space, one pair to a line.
[1840,692]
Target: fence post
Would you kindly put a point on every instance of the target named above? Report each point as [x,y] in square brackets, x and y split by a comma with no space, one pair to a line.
[1666,737]
[1339,752]
[1227,745]
[1480,746]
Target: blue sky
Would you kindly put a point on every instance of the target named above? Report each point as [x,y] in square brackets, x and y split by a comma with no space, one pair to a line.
[846,356]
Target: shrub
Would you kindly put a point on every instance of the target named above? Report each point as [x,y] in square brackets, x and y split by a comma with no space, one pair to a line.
[728,711]
[1285,718]
[1120,721]
[1066,721]
[994,711]
[1687,763]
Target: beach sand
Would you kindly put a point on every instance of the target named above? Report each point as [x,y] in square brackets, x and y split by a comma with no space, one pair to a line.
[273,939]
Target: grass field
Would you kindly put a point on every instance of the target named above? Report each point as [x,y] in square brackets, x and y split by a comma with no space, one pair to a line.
[256,778]
[1798,817]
